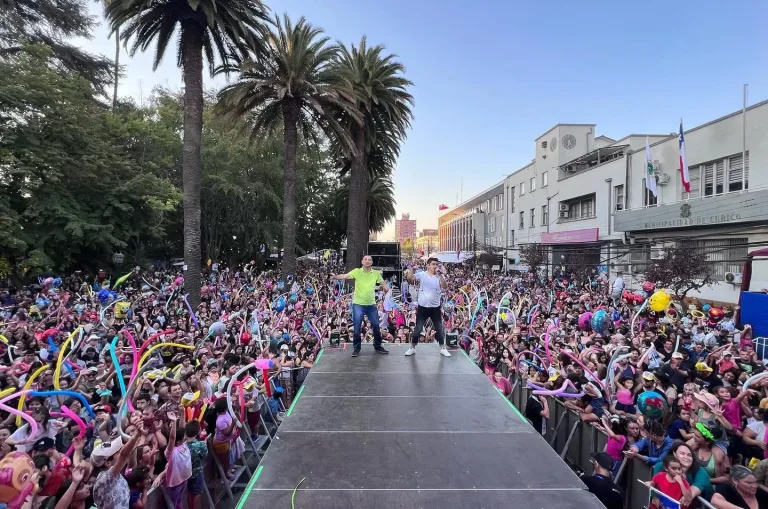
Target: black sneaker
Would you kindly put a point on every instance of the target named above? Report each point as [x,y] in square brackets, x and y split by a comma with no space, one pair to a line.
[355,353]
[380,349]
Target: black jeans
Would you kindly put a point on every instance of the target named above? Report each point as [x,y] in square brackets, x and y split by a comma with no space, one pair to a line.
[434,314]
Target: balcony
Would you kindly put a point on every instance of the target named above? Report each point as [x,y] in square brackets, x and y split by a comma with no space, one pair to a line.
[720,210]
[591,160]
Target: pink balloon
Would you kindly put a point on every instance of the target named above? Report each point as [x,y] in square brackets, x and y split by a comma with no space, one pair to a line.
[586,370]
[299,305]
[179,281]
[264,364]
[584,320]
[33,427]
[66,412]
[541,391]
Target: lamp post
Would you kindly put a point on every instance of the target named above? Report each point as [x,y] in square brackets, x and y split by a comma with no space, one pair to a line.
[118,259]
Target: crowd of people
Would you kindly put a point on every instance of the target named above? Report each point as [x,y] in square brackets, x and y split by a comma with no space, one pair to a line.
[112,386]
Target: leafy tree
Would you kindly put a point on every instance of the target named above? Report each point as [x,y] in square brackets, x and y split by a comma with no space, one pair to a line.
[224,29]
[73,190]
[535,256]
[292,88]
[51,23]
[379,206]
[681,269]
[380,93]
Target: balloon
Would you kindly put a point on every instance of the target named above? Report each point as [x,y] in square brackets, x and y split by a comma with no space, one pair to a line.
[264,364]
[73,394]
[145,287]
[706,307]
[154,347]
[310,290]
[217,329]
[41,303]
[30,379]
[116,364]
[192,313]
[104,296]
[16,486]
[245,338]
[293,298]
[541,391]
[715,314]
[505,302]
[279,304]
[652,404]
[179,281]
[66,412]
[659,301]
[585,320]
[299,305]
[449,306]
[280,285]
[648,286]
[599,320]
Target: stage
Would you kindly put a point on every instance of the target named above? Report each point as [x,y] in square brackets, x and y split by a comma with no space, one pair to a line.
[427,432]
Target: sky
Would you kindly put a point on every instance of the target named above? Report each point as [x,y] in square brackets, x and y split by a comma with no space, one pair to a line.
[490,76]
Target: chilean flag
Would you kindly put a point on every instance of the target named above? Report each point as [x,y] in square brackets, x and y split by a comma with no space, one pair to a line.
[683,165]
[444,207]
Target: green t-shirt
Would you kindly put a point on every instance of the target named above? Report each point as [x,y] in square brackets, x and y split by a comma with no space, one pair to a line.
[365,284]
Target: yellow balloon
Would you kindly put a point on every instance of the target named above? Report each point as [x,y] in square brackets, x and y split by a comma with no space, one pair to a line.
[659,301]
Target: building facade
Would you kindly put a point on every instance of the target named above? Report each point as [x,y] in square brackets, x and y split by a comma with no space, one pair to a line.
[476,223]
[585,196]
[405,229]
[427,242]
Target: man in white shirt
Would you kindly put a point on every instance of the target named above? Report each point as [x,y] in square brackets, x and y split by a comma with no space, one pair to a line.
[431,283]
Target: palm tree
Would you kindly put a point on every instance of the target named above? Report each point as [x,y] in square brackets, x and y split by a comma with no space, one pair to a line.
[294,88]
[117,60]
[381,95]
[379,206]
[226,29]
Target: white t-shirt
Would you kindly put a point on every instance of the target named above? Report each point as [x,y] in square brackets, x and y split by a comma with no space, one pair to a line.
[429,290]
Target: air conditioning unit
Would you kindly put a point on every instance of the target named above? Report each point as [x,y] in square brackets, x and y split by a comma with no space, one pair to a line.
[656,166]
[663,179]
[563,207]
[734,279]
[563,215]
[657,253]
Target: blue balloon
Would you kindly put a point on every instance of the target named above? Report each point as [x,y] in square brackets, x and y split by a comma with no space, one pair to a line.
[310,291]
[705,307]
[652,404]
[279,304]
[104,296]
[286,336]
[293,298]
[217,329]
[598,321]
[41,303]
[56,282]
[280,285]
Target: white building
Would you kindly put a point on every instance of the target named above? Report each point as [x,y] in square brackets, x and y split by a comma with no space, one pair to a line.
[585,195]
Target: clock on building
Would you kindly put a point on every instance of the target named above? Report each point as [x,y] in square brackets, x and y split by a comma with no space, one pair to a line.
[553,144]
[569,141]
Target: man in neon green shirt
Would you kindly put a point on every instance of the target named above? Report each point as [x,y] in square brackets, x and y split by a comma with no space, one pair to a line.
[364,303]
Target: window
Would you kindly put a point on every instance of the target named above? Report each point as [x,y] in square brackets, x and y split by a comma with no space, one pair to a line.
[492,225]
[724,255]
[533,218]
[511,239]
[522,219]
[544,179]
[582,207]
[487,241]
[738,178]
[717,177]
[487,206]
[511,200]
[501,201]
[522,188]
[544,215]
[618,197]
[533,184]
[649,200]
[544,144]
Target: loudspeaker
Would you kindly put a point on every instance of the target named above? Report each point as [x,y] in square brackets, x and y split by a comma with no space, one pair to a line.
[384,249]
[334,340]
[452,339]
[388,275]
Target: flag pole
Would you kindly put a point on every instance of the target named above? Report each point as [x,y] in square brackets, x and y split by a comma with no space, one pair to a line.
[744,141]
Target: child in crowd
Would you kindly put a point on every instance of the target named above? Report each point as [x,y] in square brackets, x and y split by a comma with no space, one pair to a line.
[616,429]
[198,451]
[670,481]
[179,467]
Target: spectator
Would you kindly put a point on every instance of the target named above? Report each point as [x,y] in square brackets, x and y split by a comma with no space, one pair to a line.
[670,481]
[600,483]
[651,449]
[741,492]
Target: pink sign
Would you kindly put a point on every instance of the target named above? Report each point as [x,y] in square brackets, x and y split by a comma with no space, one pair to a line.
[570,237]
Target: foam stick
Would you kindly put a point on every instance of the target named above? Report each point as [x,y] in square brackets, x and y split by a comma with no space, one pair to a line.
[66,412]
[104,310]
[541,391]
[751,379]
[124,402]
[57,371]
[152,338]
[192,313]
[532,365]
[122,279]
[118,371]
[634,318]
[27,385]
[546,342]
[532,313]
[66,393]
[33,427]
[155,347]
[517,357]
[586,369]
[132,341]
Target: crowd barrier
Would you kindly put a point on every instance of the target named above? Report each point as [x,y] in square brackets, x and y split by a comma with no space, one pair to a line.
[575,440]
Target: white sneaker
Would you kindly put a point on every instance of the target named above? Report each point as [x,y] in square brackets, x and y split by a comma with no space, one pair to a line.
[410,351]
[444,352]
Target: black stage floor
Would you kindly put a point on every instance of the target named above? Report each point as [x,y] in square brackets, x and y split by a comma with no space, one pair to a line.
[421,432]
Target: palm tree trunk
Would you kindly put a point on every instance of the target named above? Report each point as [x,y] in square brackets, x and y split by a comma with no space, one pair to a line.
[356,220]
[290,120]
[192,175]
[117,67]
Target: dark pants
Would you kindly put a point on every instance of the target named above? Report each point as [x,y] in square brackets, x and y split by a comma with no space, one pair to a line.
[372,312]
[434,314]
